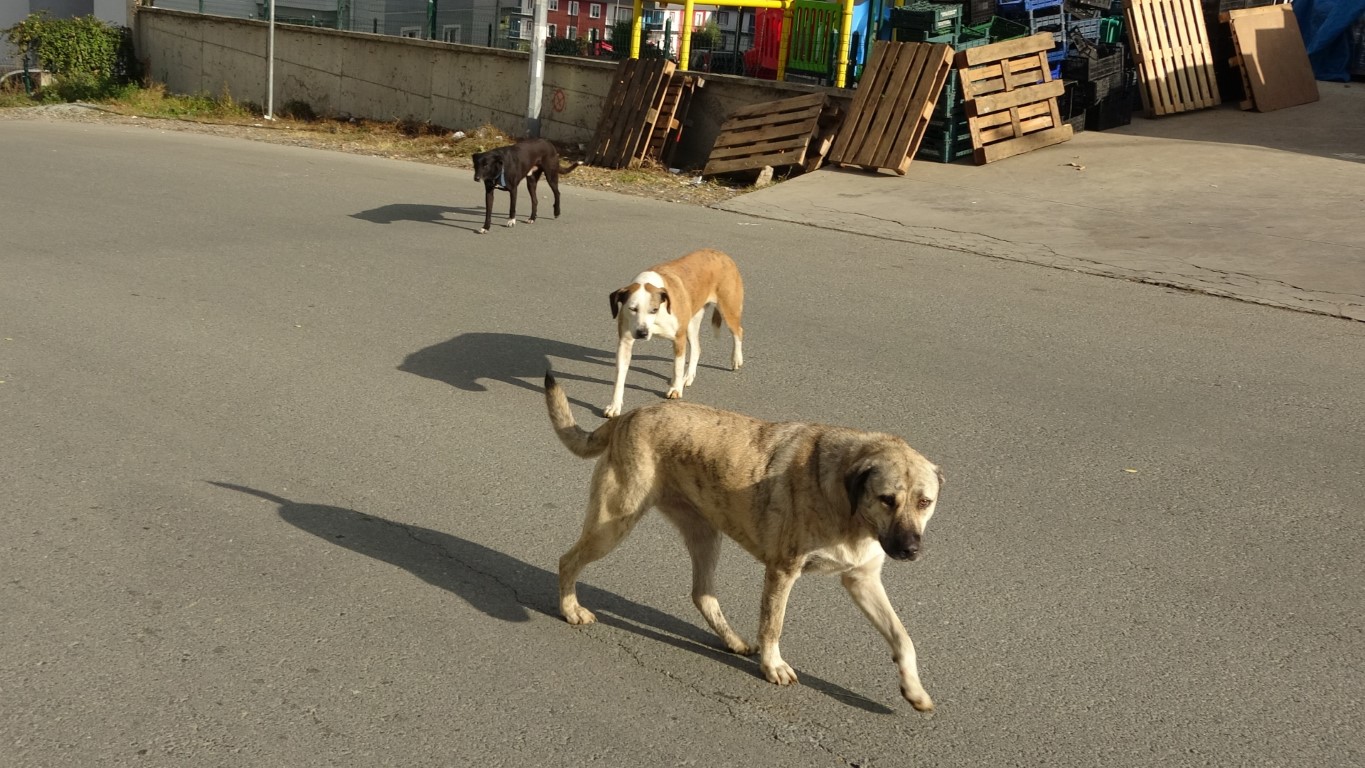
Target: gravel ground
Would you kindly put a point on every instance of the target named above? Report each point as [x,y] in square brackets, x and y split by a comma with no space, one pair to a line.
[656,183]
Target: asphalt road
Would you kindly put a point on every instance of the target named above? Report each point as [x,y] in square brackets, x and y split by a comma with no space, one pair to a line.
[280,489]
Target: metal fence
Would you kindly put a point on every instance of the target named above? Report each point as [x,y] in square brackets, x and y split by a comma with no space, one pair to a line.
[499,24]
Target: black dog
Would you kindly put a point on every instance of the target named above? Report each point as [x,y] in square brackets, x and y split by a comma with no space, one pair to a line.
[505,167]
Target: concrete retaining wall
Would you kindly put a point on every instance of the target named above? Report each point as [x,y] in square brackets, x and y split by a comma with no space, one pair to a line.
[388,78]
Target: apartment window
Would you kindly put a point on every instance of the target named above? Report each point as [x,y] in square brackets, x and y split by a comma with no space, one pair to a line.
[723,18]
[593,35]
[410,31]
[625,14]
[554,5]
[572,34]
[595,11]
[573,7]
[553,29]
[699,19]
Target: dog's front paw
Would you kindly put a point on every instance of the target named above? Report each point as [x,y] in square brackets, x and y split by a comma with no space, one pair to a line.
[483,230]
[511,222]
[918,699]
[612,411]
[674,394]
[577,615]
[780,673]
[691,377]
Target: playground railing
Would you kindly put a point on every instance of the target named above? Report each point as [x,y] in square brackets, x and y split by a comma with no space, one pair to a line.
[815,28]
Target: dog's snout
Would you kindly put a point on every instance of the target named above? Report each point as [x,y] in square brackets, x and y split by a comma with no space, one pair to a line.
[902,547]
[641,333]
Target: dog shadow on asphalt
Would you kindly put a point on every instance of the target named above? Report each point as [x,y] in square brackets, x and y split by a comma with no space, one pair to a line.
[504,587]
[429,214]
[469,359]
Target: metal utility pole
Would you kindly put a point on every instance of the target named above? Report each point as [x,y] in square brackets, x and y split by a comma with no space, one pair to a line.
[270,67]
[540,28]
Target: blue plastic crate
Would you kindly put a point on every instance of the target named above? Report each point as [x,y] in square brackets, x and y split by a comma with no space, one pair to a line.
[1022,6]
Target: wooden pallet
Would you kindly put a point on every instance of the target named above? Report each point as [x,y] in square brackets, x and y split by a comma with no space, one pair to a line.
[1170,45]
[1271,57]
[1010,97]
[891,109]
[673,111]
[772,134]
[630,112]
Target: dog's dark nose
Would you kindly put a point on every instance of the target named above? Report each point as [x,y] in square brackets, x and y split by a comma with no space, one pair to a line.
[902,547]
[641,333]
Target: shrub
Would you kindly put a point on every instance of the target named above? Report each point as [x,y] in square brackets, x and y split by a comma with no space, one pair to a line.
[90,58]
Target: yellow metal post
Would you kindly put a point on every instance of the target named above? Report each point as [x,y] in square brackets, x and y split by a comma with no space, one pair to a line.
[636,22]
[845,43]
[685,45]
[784,41]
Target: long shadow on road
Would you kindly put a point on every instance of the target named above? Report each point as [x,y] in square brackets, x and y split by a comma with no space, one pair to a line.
[467,360]
[429,214]
[502,586]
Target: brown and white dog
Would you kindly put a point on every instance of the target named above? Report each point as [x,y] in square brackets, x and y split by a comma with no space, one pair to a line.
[669,300]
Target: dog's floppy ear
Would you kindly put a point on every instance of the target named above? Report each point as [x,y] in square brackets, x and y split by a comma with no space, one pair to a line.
[663,300]
[616,297]
[855,483]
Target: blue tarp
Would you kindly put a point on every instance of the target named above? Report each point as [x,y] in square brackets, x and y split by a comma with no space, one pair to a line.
[1326,27]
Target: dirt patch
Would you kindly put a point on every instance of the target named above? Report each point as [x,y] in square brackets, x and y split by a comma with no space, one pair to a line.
[403,141]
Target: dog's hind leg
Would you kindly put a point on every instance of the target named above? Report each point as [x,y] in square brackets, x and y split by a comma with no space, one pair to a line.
[730,307]
[694,346]
[613,510]
[552,178]
[864,585]
[703,544]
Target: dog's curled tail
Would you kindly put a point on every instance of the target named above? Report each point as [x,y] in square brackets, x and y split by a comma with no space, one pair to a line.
[581,442]
[569,168]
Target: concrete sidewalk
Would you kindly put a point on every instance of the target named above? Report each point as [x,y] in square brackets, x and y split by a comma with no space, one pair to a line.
[1263,207]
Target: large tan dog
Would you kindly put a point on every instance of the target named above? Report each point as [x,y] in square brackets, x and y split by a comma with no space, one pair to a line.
[669,300]
[799,497]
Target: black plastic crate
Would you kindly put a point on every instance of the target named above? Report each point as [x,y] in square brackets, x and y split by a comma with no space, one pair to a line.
[1112,111]
[1098,90]
[1083,67]
[926,17]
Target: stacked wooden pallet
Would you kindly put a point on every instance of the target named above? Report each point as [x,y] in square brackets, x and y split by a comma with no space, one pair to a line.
[1271,57]
[1010,97]
[893,104]
[775,134]
[1171,49]
[630,113]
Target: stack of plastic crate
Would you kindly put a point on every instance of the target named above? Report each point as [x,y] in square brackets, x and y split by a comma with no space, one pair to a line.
[947,137]
[1042,16]
[1097,87]
[921,21]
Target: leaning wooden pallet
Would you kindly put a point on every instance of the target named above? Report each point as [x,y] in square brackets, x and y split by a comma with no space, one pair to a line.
[773,134]
[668,126]
[630,112]
[891,109]
[1010,97]
[1170,46]
[1272,57]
